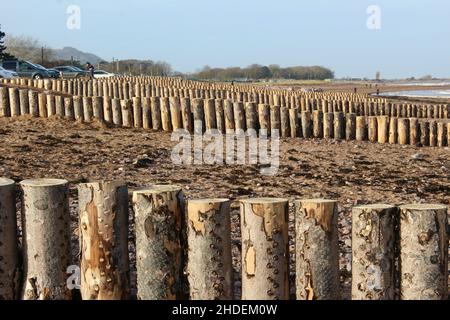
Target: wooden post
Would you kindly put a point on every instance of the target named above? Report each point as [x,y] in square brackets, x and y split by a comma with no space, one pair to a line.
[433,134]
[372,132]
[59,105]
[350,126]
[137,112]
[264,117]
[186,114]
[156,113]
[339,126]
[146,113]
[46,236]
[403,130]
[88,111]
[383,129]
[175,113]
[229,116]
[209,268]
[42,105]
[165,114]
[51,106]
[210,114]
[317,124]
[5,110]
[373,252]
[103,212]
[9,251]
[220,116]
[441,134]
[294,122]
[68,109]
[265,251]
[107,109]
[414,135]
[14,102]
[306,124]
[24,102]
[78,108]
[251,116]
[159,214]
[127,117]
[116,111]
[198,112]
[424,133]
[239,115]
[317,250]
[97,108]
[423,252]
[328,125]
[393,133]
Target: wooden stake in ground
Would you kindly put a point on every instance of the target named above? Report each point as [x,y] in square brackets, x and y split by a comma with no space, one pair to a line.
[423,252]
[103,223]
[46,236]
[373,252]
[9,253]
[317,250]
[209,269]
[159,218]
[265,252]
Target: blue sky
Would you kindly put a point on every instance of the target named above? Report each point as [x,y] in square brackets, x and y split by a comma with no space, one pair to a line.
[413,39]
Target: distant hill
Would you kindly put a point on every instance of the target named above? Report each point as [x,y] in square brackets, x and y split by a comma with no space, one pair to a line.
[67,53]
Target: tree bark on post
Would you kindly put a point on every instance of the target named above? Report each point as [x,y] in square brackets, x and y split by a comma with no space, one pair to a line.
[68,109]
[186,114]
[306,124]
[175,113]
[361,131]
[9,250]
[294,122]
[156,113]
[116,112]
[265,249]
[24,102]
[229,116]
[97,107]
[239,115]
[264,117]
[165,114]
[146,113]
[373,127]
[251,116]
[159,219]
[46,236]
[5,110]
[88,111]
[317,124]
[78,108]
[317,250]
[14,102]
[441,134]
[414,135]
[59,105]
[127,117]
[220,116]
[107,110]
[199,113]
[209,268]
[137,112]
[393,133]
[328,125]
[350,126]
[423,252]
[373,252]
[51,106]
[284,117]
[403,130]
[42,105]
[339,126]
[103,223]
[424,133]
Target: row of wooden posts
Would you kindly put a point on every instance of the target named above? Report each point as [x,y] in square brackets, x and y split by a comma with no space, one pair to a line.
[362,105]
[170,114]
[184,251]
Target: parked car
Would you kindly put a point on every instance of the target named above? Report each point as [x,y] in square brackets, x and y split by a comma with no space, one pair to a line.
[25,69]
[6,74]
[103,74]
[71,72]
[53,73]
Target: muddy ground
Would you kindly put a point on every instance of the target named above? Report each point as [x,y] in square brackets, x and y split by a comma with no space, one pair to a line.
[350,172]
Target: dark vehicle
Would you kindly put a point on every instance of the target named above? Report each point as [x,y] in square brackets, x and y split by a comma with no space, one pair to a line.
[53,73]
[71,72]
[26,69]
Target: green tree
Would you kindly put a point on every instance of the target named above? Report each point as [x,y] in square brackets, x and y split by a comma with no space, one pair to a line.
[3,54]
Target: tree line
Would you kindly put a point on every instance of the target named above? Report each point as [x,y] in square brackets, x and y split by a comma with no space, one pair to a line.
[259,72]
